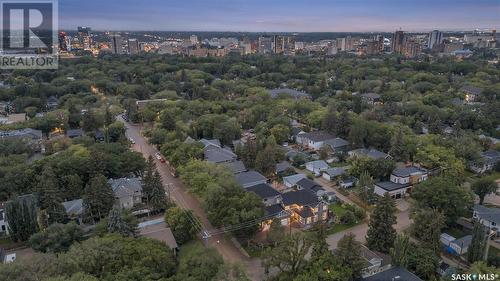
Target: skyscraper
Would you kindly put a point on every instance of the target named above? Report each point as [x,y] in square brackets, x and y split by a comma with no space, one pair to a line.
[278,44]
[265,45]
[398,39]
[133,46]
[116,44]
[63,45]
[435,38]
[193,39]
[85,37]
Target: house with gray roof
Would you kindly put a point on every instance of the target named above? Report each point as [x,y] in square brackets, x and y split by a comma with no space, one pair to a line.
[74,209]
[250,178]
[471,93]
[127,191]
[311,186]
[214,142]
[371,153]
[487,162]
[410,174]
[395,190]
[292,180]
[235,166]
[296,94]
[267,193]
[305,206]
[315,139]
[22,134]
[460,246]
[217,154]
[331,174]
[283,167]
[338,145]
[489,217]
[74,133]
[317,167]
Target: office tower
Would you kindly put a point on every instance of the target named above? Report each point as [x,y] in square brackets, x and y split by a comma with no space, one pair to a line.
[265,45]
[85,37]
[398,39]
[372,47]
[289,44]
[380,43]
[116,44]
[435,38]
[133,46]
[278,44]
[63,43]
[411,48]
[193,39]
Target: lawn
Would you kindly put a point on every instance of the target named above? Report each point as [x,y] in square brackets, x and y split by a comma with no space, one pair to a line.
[340,227]
[337,209]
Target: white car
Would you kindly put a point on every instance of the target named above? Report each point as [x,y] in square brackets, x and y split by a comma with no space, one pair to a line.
[132,141]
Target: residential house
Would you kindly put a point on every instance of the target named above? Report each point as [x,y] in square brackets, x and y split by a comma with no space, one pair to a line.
[214,153]
[74,210]
[488,161]
[471,93]
[276,211]
[409,174]
[314,140]
[250,178]
[397,273]
[157,229]
[395,190]
[292,180]
[375,262]
[127,191]
[371,153]
[338,145]
[296,131]
[348,182]
[267,193]
[283,168]
[235,166]
[332,174]
[311,186]
[305,208]
[317,167]
[74,133]
[489,217]
[52,103]
[293,153]
[3,221]
[99,135]
[27,134]
[371,98]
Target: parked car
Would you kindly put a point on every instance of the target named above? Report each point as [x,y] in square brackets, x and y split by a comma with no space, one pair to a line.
[132,141]
[159,157]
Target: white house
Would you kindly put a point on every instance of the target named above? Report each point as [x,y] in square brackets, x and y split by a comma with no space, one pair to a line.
[316,167]
[489,217]
[127,192]
[334,173]
[395,190]
[3,221]
[410,175]
[292,180]
[314,140]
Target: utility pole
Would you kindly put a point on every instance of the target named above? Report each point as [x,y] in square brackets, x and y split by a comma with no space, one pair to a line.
[487,247]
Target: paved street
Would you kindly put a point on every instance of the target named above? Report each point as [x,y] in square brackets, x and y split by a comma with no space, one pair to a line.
[185,200]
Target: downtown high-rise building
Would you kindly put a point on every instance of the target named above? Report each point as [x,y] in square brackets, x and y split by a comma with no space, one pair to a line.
[63,41]
[398,40]
[278,44]
[133,46]
[85,37]
[265,45]
[435,38]
[116,44]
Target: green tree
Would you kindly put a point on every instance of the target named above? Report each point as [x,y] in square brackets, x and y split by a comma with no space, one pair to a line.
[56,238]
[400,251]
[156,196]
[98,198]
[477,246]
[349,254]
[483,187]
[330,121]
[381,233]
[276,232]
[442,194]
[51,197]
[427,226]
[117,222]
[22,216]
[183,223]
[198,263]
[289,256]
[423,262]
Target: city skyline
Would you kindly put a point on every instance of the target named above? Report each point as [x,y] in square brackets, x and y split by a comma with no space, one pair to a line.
[280,16]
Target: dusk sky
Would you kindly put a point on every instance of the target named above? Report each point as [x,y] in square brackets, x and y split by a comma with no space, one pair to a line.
[280,15]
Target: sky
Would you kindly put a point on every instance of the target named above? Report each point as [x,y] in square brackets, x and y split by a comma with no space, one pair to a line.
[279,15]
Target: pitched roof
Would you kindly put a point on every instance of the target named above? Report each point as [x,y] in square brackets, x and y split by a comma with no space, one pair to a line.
[489,214]
[299,197]
[310,185]
[371,96]
[291,92]
[22,133]
[318,164]
[336,143]
[249,178]
[73,207]
[273,209]
[335,172]
[472,90]
[293,179]
[318,136]
[305,212]
[263,190]
[73,133]
[463,242]
[217,154]
[235,166]
[395,273]
[214,142]
[282,166]
[391,186]
[408,171]
[124,187]
[372,153]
